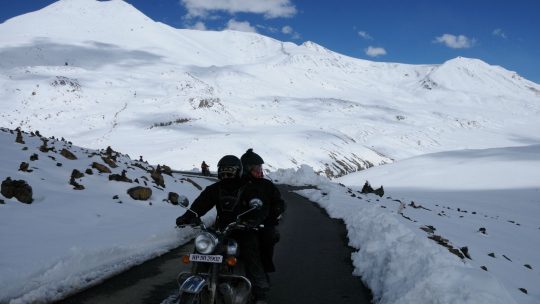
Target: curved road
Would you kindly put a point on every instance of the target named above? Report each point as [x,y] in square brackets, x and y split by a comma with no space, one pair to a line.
[312,259]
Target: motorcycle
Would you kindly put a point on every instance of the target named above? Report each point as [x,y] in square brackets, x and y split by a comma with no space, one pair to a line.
[216,276]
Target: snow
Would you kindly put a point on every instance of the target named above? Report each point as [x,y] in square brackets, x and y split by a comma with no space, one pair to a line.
[69,239]
[461,139]
[460,192]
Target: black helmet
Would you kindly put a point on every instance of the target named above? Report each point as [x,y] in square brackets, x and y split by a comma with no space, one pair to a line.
[229,166]
[250,159]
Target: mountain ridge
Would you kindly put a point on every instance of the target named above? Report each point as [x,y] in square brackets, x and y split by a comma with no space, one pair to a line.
[183,91]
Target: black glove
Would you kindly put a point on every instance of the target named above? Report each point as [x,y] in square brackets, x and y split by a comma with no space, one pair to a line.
[187,219]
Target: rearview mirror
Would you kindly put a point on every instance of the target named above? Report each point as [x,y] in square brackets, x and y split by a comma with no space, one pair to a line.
[255,203]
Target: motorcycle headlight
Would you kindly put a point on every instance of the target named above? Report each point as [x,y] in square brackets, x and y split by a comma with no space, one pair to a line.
[205,242]
[232,247]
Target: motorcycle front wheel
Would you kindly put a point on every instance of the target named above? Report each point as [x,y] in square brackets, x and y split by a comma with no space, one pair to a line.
[190,298]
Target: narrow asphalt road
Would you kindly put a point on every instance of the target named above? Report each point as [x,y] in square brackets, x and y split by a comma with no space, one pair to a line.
[312,259]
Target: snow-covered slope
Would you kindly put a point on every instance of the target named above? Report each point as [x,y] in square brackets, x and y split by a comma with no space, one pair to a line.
[72,69]
[67,239]
[487,200]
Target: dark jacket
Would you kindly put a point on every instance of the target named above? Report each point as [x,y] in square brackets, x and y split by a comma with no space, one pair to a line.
[231,197]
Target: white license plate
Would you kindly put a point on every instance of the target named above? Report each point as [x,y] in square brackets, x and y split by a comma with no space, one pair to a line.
[205,258]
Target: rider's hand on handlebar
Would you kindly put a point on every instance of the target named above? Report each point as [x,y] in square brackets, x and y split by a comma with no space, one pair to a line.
[187,220]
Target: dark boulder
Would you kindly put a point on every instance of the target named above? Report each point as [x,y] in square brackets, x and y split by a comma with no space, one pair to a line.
[18,189]
[140,193]
[173,198]
[109,162]
[120,177]
[101,168]
[67,154]
[76,174]
[158,178]
[367,188]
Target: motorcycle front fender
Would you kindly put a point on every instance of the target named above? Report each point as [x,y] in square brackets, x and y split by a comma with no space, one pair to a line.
[193,284]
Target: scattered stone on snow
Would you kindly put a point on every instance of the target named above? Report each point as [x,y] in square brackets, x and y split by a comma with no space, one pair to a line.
[367,188]
[484,267]
[428,228]
[173,198]
[89,171]
[19,138]
[157,177]
[67,154]
[109,162]
[504,256]
[528,266]
[59,164]
[465,251]
[140,193]
[101,168]
[34,157]
[523,290]
[76,174]
[120,177]
[115,197]
[189,180]
[482,230]
[492,254]
[18,189]
[24,167]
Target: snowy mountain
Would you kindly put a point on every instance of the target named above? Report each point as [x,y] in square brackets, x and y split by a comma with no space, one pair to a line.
[73,70]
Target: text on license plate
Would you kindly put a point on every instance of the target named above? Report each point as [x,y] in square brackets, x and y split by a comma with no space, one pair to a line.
[205,258]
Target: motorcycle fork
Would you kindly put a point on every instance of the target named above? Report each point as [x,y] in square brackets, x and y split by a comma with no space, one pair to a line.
[212,286]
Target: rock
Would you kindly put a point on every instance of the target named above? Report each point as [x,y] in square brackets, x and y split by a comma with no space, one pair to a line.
[2,202]
[166,169]
[465,251]
[19,138]
[482,230]
[101,168]
[24,167]
[504,256]
[523,290]
[158,178]
[491,254]
[140,193]
[528,266]
[173,198]
[34,157]
[109,162]
[379,191]
[59,164]
[18,189]
[67,154]
[120,177]
[115,197]
[76,174]
[484,268]
[89,171]
[367,188]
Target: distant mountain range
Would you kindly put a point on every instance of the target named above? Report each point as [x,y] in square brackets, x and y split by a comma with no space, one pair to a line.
[104,74]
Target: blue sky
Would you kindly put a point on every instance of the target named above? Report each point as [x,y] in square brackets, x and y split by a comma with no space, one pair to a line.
[500,32]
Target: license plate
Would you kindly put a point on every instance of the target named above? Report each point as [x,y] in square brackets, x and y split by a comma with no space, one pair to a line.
[205,258]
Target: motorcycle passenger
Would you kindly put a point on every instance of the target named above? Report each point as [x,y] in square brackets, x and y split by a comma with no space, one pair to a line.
[263,188]
[228,196]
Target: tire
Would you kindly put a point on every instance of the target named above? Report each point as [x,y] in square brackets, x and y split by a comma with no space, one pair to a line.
[190,298]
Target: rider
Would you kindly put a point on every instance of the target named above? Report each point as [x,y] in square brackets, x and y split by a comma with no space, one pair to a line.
[230,197]
[204,168]
[266,190]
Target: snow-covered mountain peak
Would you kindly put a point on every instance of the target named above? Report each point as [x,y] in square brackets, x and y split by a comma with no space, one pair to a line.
[103,73]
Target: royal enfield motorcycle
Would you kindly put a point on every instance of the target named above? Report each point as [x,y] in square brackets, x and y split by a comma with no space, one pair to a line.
[216,276]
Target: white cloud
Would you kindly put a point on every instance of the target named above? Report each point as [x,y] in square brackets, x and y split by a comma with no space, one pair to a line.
[364,35]
[242,26]
[499,32]
[455,42]
[198,26]
[375,51]
[287,30]
[269,8]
